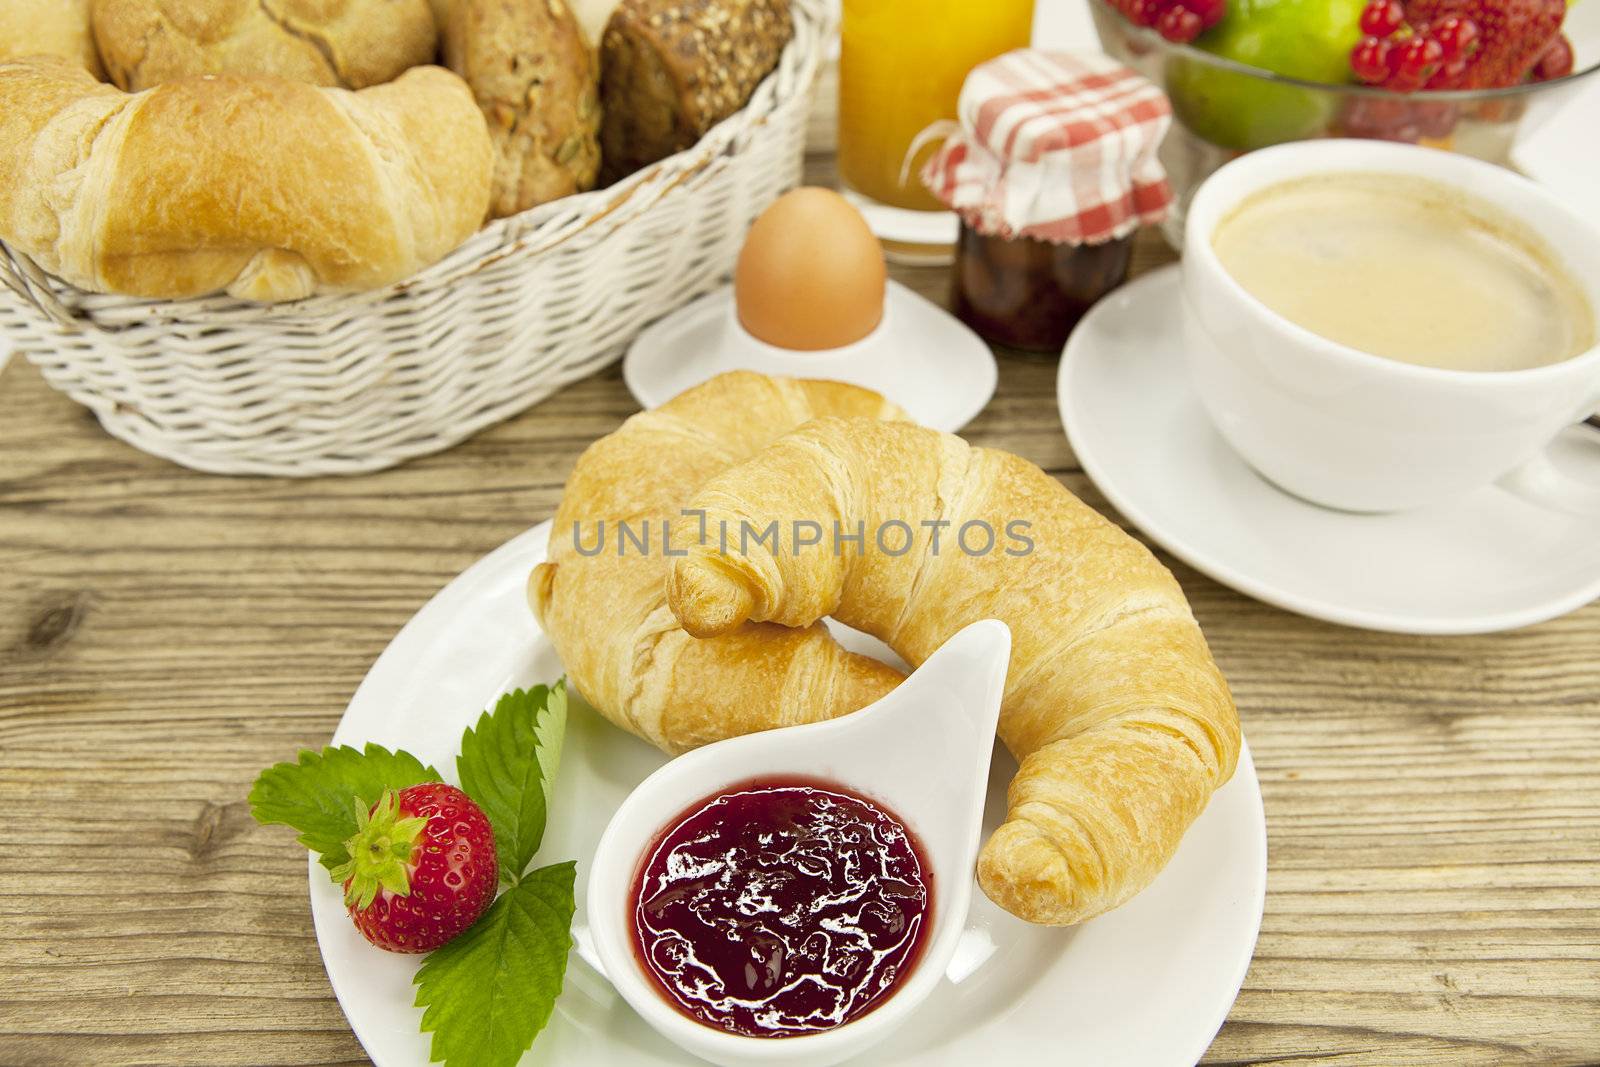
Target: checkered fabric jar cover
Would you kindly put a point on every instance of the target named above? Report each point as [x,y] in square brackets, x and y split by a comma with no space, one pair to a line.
[1058,146]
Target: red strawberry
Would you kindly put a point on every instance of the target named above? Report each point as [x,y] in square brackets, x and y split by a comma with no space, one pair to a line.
[421,868]
[1512,35]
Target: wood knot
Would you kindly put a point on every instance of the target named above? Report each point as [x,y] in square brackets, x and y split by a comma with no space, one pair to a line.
[56,624]
[216,825]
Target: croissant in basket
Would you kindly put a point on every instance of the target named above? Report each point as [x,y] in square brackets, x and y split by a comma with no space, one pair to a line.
[269,189]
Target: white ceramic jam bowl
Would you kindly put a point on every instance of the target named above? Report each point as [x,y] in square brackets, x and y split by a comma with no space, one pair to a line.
[922,752]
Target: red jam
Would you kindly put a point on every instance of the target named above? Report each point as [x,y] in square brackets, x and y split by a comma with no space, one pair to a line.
[781,907]
[1029,294]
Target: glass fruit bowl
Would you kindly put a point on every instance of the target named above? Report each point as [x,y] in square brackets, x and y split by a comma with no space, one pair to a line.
[1222,109]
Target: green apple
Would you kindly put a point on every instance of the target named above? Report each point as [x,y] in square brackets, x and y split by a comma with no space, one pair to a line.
[1305,39]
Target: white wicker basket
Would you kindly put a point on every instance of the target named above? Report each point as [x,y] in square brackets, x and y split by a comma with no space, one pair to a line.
[345,384]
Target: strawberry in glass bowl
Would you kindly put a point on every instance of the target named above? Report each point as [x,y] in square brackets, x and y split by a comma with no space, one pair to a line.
[1461,75]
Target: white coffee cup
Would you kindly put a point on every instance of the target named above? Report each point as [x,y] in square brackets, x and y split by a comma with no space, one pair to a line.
[1350,430]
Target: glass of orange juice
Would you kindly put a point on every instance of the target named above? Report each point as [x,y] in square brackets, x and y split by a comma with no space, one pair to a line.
[900,70]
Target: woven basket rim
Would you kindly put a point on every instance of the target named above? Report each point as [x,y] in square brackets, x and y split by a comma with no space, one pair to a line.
[546,226]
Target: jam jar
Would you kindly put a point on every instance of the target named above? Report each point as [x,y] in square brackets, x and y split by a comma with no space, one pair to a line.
[1026,293]
[1053,169]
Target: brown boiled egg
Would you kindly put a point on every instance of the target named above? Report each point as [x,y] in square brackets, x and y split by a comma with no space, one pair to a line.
[811,274]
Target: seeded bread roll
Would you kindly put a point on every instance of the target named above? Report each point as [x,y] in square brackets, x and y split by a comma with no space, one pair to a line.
[672,69]
[348,43]
[535,77]
[49,28]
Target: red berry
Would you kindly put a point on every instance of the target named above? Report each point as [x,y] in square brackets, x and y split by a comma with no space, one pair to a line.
[1145,12]
[1456,35]
[421,870]
[1179,24]
[1419,60]
[1450,76]
[1177,20]
[1380,18]
[1370,60]
[1211,12]
[1398,80]
[1557,61]
[1511,37]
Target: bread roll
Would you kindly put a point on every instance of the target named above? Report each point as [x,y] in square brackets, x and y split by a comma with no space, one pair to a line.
[267,188]
[672,69]
[348,43]
[48,28]
[536,80]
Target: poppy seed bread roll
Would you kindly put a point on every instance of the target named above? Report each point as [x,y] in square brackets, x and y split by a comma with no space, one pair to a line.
[269,189]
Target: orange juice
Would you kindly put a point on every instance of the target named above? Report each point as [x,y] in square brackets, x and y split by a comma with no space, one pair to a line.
[901,68]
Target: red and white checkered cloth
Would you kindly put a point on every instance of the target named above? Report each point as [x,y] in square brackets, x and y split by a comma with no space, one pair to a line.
[1055,145]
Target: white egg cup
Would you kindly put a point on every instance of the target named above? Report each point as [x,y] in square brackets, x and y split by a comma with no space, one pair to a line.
[922,751]
[919,355]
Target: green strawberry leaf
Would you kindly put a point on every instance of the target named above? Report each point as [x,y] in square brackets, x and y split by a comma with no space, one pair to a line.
[315,795]
[486,995]
[508,765]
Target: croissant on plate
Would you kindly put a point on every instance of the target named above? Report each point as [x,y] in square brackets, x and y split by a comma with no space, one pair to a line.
[606,612]
[1121,722]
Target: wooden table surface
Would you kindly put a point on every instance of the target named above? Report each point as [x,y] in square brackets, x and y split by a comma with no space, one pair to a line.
[1433,804]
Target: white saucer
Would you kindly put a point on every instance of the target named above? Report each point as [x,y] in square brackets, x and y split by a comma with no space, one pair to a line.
[1147,985]
[920,356]
[1486,562]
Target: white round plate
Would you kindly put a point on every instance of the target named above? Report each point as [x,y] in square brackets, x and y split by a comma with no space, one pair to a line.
[922,357]
[1146,986]
[1486,562]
